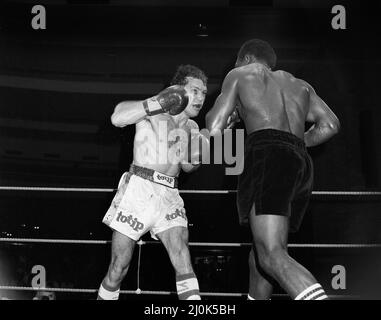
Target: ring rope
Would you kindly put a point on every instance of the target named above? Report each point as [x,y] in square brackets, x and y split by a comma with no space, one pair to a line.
[291,245]
[147,292]
[103,190]
[195,244]
[140,243]
[59,241]
[59,189]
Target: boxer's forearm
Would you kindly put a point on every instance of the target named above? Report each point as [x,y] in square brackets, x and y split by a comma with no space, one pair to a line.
[128,112]
[215,124]
[320,133]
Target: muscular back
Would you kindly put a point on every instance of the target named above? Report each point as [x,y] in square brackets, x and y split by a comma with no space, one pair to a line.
[272,100]
[275,100]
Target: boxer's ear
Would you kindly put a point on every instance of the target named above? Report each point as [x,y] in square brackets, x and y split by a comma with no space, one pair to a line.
[248,58]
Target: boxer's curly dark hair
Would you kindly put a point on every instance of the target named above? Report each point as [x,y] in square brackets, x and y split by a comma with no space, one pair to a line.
[187,70]
[260,49]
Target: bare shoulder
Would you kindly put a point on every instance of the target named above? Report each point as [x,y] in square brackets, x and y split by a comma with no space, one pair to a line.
[249,69]
[252,69]
[305,84]
[286,74]
[191,124]
[254,72]
[292,78]
[144,123]
[234,74]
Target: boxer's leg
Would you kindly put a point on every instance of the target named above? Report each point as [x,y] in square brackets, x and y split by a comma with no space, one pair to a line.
[260,286]
[121,254]
[270,234]
[175,240]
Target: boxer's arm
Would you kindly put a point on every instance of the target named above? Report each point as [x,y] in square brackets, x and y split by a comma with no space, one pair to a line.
[186,164]
[326,124]
[128,112]
[172,100]
[193,158]
[224,106]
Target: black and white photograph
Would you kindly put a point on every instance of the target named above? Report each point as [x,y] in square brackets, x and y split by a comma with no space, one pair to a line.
[212,151]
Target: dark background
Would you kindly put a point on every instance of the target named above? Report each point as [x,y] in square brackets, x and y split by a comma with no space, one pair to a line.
[59,86]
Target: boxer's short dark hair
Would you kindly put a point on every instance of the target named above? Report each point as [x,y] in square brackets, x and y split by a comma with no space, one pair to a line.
[262,50]
[187,70]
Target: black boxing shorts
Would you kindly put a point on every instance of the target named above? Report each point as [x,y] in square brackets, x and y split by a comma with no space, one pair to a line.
[277,177]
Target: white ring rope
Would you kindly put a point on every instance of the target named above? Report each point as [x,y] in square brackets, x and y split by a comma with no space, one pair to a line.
[148,292]
[63,189]
[140,243]
[60,241]
[291,245]
[151,292]
[194,244]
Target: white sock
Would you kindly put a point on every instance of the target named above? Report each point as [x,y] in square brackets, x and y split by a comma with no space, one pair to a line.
[104,294]
[187,287]
[249,297]
[314,292]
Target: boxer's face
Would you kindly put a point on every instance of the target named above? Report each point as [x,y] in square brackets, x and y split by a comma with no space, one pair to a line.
[198,90]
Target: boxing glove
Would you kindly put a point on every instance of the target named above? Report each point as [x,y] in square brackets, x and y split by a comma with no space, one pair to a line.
[173,100]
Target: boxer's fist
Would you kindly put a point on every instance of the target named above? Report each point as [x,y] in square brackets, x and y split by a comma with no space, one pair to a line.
[196,148]
[233,119]
[173,100]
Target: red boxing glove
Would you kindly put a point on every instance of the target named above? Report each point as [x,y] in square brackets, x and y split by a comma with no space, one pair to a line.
[173,100]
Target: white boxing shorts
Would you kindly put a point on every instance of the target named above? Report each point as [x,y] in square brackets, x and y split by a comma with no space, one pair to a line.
[146,200]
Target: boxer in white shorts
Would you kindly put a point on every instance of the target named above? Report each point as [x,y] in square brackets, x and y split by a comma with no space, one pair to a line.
[145,202]
[147,199]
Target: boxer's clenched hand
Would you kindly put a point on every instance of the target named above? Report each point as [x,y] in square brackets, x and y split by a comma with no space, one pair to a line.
[233,119]
[194,152]
[173,100]
[195,148]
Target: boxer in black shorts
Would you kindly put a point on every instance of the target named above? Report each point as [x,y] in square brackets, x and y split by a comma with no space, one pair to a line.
[276,183]
[277,177]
